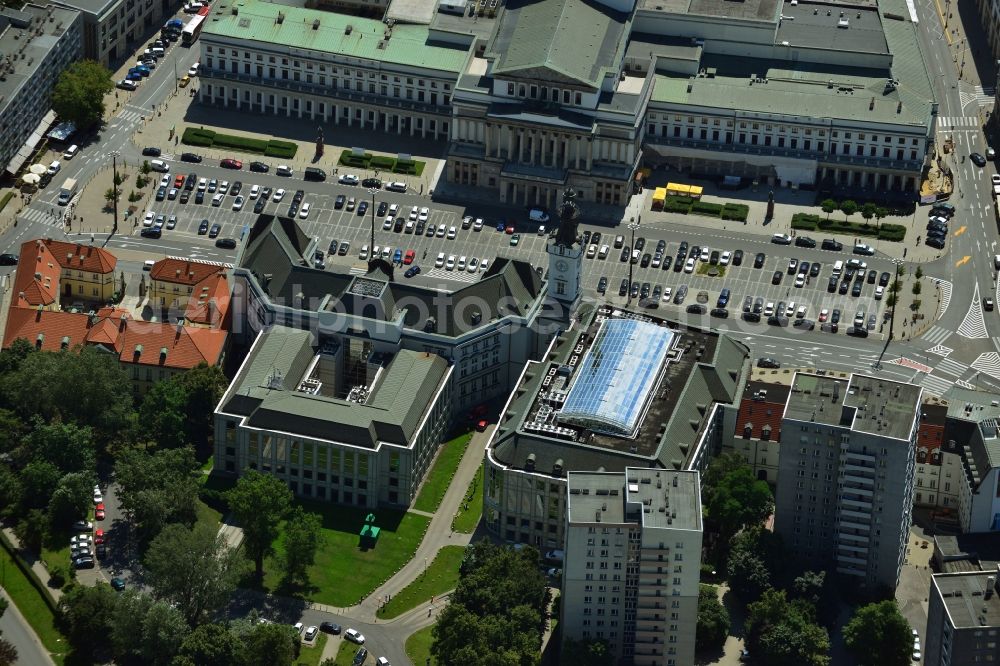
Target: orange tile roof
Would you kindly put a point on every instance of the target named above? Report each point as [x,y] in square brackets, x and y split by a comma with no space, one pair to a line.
[41,263]
[209,302]
[758,414]
[80,257]
[183,271]
[186,346]
[53,325]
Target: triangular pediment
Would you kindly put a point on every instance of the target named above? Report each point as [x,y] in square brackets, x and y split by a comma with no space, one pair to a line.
[542,75]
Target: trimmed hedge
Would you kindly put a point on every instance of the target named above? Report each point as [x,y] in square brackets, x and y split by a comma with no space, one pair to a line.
[734,211]
[381,162]
[885,231]
[686,205]
[205,138]
[6,198]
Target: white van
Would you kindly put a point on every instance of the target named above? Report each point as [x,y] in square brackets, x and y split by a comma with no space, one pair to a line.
[603,253]
[53,168]
[538,215]
[71,152]
[159,165]
[838,267]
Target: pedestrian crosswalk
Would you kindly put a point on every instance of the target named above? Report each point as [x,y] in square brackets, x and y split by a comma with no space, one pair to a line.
[40,216]
[128,116]
[936,335]
[940,350]
[973,325]
[954,122]
[945,288]
[950,367]
[985,94]
[454,276]
[964,384]
[988,363]
[935,385]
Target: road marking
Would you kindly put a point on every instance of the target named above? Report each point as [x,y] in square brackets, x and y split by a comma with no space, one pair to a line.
[964,384]
[910,363]
[964,260]
[946,289]
[973,325]
[935,385]
[946,122]
[940,350]
[936,335]
[960,231]
[952,367]
[988,363]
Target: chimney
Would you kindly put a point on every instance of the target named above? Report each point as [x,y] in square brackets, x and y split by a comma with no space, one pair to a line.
[180,327]
[121,325]
[871,105]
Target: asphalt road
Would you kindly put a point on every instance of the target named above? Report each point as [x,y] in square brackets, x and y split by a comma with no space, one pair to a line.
[17,630]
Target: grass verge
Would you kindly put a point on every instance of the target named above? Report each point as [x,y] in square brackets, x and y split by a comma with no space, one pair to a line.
[704,267]
[418,646]
[345,654]
[309,656]
[439,478]
[32,606]
[346,571]
[467,518]
[206,515]
[441,575]
[6,198]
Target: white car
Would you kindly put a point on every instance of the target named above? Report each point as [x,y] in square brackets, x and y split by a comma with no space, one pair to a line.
[769,309]
[238,203]
[202,184]
[667,291]
[473,264]
[541,230]
[279,194]
[879,292]
[439,262]
[354,636]
[591,251]
[393,211]
[790,310]
[440,231]
[217,200]
[298,627]
[147,221]
[386,252]
[409,227]
[724,259]
[349,179]
[98,497]
[165,181]
[304,211]
[800,280]
[255,191]
[689,265]
[193,70]
[801,312]
[705,254]
[413,213]
[478,224]
[450,264]
[484,264]
[461,263]
[424,214]
[451,233]
[387,225]
[363,254]
[995,178]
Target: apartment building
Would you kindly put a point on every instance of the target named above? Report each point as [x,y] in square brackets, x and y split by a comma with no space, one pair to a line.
[963,618]
[275,59]
[181,288]
[488,328]
[617,389]
[113,29]
[37,42]
[632,564]
[757,438]
[847,473]
[334,421]
[52,273]
[971,456]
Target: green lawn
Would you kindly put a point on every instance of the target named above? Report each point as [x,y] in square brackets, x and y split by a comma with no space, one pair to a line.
[439,477]
[345,654]
[467,518]
[206,514]
[309,656]
[344,571]
[441,575]
[418,646]
[32,606]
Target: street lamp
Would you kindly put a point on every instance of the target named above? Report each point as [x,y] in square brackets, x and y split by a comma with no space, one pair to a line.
[877,365]
[371,247]
[632,225]
[114,188]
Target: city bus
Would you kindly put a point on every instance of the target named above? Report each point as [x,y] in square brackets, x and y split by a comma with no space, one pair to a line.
[194,26]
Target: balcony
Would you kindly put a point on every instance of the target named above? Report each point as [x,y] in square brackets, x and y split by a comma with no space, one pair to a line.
[859,504]
[861,527]
[866,517]
[384,103]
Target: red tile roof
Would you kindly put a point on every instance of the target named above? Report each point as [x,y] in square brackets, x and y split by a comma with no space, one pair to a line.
[758,414]
[171,346]
[209,302]
[183,271]
[53,326]
[41,263]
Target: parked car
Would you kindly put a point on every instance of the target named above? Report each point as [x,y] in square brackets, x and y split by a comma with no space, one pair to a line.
[354,636]
[230,163]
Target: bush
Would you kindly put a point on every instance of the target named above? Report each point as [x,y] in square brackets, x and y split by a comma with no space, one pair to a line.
[215,499]
[677,204]
[733,211]
[707,209]
[805,221]
[196,136]
[57,577]
[381,162]
[809,222]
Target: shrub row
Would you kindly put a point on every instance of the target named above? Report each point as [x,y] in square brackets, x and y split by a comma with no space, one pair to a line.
[884,231]
[685,205]
[204,138]
[735,211]
[381,162]
[30,574]
[6,198]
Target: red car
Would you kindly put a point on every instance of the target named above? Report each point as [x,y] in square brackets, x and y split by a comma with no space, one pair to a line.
[409,257]
[510,229]
[99,512]
[179,181]
[481,426]
[231,164]
[98,535]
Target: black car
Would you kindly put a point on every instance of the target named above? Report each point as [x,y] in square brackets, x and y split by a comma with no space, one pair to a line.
[748,304]
[626,251]
[259,167]
[151,152]
[623,287]
[680,294]
[883,279]
[7,259]
[831,244]
[835,316]
[758,261]
[372,183]
[776,278]
[299,194]
[191,157]
[696,308]
[977,159]
[226,243]
[814,269]
[661,246]
[857,331]
[807,324]
[214,231]
[199,197]
[640,243]
[382,208]
[235,188]
[161,193]
[362,208]
[644,262]
[720,313]
[804,268]
[190,181]
[203,227]
[265,193]
[151,232]
[344,247]
[258,207]
[832,284]
[314,174]
[185,197]
[420,227]
[714,257]
[872,276]
[596,238]
[338,203]
[937,243]
[937,233]
[666,262]
[752,317]
[602,285]
[844,286]
[777,320]
[634,291]
[329,628]
[804,241]
[767,362]
[678,264]
[293,210]
[856,289]
[737,259]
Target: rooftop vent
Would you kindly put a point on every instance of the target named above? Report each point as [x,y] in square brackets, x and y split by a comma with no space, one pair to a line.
[315,24]
[348,29]
[280,18]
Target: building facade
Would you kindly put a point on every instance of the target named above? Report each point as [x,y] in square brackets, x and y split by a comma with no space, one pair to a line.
[37,43]
[334,422]
[332,68]
[671,407]
[186,289]
[632,564]
[963,618]
[847,474]
[112,28]
[757,438]
[971,450]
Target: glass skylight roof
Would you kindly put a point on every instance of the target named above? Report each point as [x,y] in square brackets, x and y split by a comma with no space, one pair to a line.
[614,380]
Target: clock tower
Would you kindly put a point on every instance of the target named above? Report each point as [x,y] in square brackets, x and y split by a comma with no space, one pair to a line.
[566,256]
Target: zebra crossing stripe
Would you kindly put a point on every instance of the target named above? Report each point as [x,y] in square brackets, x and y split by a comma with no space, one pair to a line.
[946,289]
[946,122]
[935,385]
[973,325]
[964,384]
[936,334]
[940,350]
[988,363]
[951,367]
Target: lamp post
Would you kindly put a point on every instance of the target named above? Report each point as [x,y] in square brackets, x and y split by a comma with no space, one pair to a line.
[877,365]
[371,247]
[632,225]
[114,187]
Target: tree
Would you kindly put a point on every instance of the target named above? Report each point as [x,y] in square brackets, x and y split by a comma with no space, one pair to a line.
[719,467]
[157,488]
[126,626]
[848,207]
[756,557]
[163,630]
[162,414]
[10,491]
[31,530]
[112,195]
[739,500]
[891,300]
[879,635]
[71,499]
[828,206]
[78,95]
[868,211]
[204,386]
[8,653]
[918,273]
[68,446]
[212,644]
[259,502]
[783,633]
[271,644]
[38,482]
[593,652]
[713,620]
[195,569]
[302,535]
[85,617]
[881,213]
[180,410]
